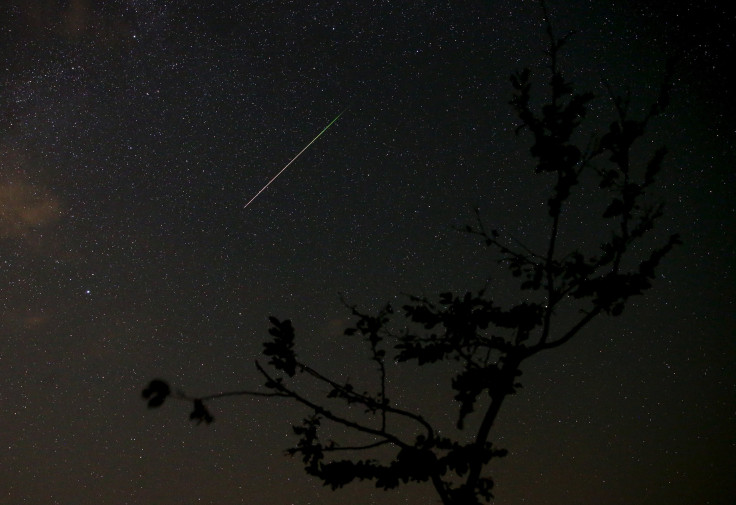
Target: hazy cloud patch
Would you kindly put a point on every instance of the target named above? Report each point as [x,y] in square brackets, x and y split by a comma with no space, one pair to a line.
[25,208]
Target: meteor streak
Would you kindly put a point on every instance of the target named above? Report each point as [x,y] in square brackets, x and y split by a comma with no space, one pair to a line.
[294,159]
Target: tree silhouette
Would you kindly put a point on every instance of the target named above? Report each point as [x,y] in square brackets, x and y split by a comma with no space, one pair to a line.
[484,341]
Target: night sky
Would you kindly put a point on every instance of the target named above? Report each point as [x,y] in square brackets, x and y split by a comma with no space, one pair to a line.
[133,132]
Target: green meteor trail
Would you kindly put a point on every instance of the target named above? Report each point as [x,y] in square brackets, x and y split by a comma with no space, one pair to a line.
[294,158]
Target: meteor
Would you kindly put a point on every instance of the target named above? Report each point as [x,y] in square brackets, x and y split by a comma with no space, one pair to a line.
[294,159]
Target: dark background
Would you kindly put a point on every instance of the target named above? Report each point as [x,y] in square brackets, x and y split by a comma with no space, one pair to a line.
[133,132]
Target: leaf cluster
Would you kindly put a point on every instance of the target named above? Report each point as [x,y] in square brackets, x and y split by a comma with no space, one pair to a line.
[422,461]
[281,349]
[158,391]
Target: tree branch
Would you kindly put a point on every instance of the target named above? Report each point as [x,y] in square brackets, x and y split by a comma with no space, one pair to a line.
[336,448]
[508,373]
[370,402]
[541,346]
[328,414]
[236,393]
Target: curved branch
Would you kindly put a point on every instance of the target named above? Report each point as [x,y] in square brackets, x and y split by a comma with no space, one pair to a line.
[370,402]
[541,346]
[328,414]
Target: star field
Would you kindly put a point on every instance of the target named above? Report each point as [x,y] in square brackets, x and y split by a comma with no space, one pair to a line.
[133,132]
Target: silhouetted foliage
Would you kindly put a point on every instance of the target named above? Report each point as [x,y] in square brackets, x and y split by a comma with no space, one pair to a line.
[156,393]
[484,341]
